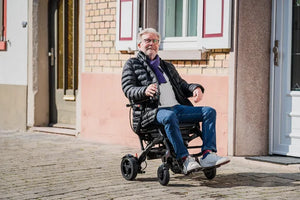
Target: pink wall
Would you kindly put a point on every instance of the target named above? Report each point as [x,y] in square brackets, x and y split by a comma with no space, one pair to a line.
[104,116]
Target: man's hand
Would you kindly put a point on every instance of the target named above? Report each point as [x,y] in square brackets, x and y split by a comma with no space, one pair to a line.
[197,94]
[151,90]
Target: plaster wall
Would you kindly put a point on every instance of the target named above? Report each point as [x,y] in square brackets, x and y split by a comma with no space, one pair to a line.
[13,68]
[13,61]
[252,65]
[13,107]
[104,116]
[38,75]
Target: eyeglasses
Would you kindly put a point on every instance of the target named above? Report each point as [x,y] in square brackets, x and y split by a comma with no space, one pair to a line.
[147,41]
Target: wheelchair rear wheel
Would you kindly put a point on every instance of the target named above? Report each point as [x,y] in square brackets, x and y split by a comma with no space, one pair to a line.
[210,173]
[129,167]
[163,174]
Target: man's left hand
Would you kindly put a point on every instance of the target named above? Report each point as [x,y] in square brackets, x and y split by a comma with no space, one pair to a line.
[197,94]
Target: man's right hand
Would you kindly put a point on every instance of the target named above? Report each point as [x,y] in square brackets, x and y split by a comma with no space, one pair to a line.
[151,90]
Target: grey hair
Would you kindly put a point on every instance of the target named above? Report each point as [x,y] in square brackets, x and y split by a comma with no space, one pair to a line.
[145,31]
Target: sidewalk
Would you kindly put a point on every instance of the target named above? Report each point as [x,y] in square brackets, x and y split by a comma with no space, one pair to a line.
[49,166]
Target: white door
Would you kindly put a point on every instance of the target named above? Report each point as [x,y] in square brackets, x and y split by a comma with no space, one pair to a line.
[285,79]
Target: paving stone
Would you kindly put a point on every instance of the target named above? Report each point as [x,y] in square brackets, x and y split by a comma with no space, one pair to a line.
[50,166]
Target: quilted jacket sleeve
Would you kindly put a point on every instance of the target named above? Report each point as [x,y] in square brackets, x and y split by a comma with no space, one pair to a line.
[130,86]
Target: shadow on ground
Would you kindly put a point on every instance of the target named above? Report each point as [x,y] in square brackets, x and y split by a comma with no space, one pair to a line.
[247,179]
[233,180]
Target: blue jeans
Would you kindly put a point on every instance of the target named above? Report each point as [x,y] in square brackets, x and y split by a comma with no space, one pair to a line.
[170,118]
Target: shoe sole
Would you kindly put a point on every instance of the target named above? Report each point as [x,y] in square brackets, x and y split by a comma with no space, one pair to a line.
[216,166]
[193,170]
[204,168]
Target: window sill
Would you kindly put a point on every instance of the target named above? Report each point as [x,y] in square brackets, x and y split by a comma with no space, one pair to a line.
[180,54]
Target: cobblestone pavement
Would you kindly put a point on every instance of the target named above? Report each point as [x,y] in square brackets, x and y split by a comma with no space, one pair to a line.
[47,166]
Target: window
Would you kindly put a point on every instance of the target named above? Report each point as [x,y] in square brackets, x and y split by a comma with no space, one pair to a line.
[295,84]
[195,24]
[67,25]
[2,25]
[180,18]
[183,24]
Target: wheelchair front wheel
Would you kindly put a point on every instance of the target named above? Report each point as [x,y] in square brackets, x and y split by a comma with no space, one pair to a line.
[163,174]
[129,167]
[210,173]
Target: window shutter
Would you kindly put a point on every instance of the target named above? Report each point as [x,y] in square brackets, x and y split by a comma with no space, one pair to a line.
[216,24]
[127,25]
[1,18]
[3,25]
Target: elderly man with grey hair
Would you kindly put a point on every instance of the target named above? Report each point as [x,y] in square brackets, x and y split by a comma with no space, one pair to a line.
[145,77]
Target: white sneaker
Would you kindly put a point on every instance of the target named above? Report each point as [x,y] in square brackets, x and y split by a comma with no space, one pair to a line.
[190,165]
[212,160]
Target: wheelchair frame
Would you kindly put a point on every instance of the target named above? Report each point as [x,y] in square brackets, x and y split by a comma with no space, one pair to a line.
[158,146]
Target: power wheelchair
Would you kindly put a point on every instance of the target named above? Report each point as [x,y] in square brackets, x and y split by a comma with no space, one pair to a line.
[155,144]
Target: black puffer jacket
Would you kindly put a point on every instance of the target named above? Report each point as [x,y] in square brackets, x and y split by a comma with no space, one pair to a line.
[136,77]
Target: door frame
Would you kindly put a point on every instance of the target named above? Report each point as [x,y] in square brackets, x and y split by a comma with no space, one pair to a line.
[38,64]
[283,48]
[38,73]
[272,78]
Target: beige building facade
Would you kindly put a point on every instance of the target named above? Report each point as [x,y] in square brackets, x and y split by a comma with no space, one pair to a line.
[75,51]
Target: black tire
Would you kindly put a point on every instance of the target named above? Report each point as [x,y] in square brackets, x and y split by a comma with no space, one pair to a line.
[163,175]
[210,173]
[129,167]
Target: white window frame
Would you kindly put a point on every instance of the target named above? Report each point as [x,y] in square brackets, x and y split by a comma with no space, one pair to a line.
[175,43]
[200,42]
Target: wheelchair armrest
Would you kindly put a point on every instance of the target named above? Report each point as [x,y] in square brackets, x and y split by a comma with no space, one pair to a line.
[135,106]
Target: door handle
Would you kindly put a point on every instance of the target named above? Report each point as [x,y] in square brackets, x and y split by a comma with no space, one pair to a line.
[51,55]
[276,53]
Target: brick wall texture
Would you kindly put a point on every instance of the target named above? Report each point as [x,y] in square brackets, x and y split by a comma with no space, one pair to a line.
[102,56]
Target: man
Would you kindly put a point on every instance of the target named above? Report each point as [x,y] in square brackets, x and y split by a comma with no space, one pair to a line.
[147,76]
